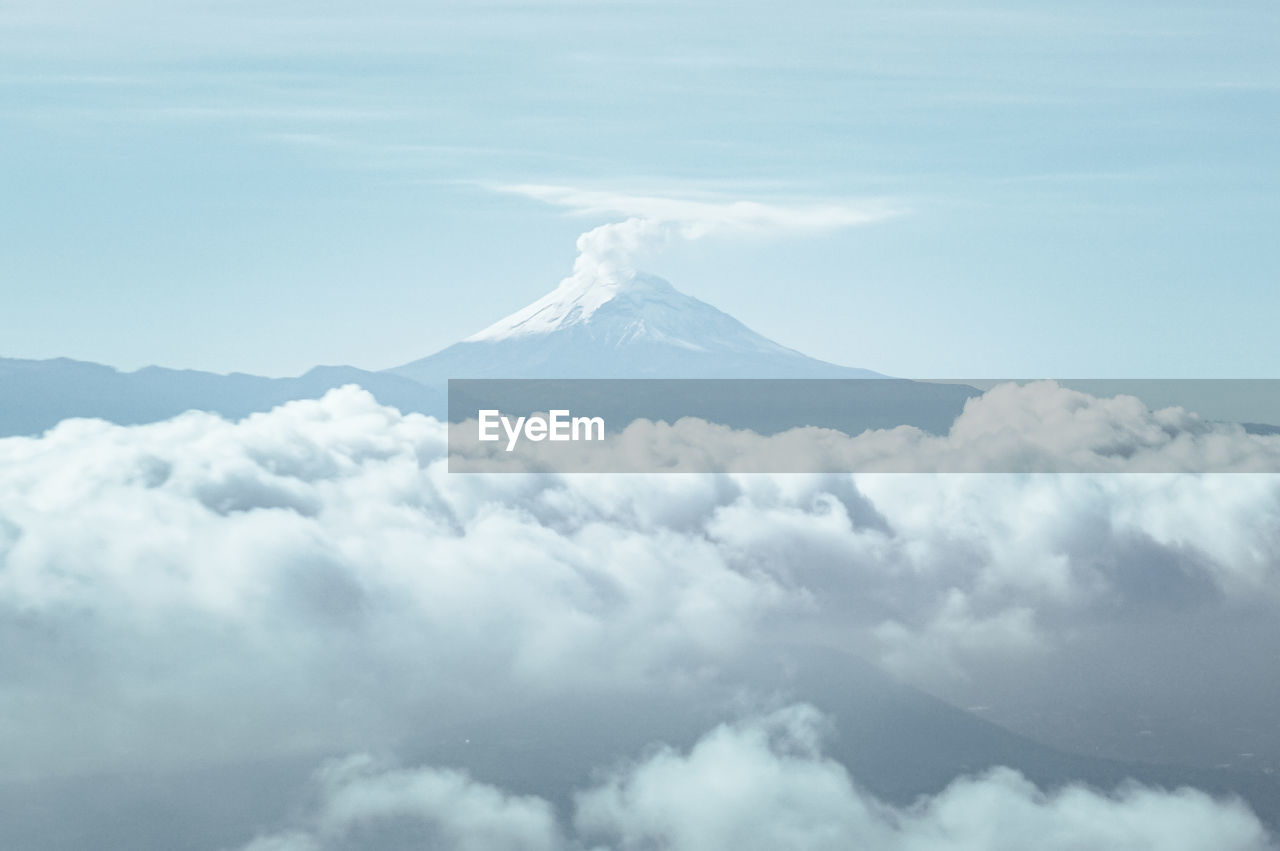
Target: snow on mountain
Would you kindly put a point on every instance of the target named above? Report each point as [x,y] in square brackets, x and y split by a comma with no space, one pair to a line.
[625,307]
[620,325]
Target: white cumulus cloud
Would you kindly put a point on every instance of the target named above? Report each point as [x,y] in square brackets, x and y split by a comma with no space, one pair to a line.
[756,785]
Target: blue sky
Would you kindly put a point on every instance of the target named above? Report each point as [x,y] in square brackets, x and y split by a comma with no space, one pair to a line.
[1083,189]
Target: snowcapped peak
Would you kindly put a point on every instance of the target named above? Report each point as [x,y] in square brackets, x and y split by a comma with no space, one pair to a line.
[574,302]
[612,322]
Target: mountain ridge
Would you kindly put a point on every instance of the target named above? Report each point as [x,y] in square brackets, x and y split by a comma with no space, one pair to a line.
[609,324]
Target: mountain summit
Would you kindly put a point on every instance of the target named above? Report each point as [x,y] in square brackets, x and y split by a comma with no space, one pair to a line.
[622,325]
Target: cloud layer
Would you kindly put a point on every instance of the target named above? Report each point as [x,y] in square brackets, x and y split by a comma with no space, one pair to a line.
[313,580]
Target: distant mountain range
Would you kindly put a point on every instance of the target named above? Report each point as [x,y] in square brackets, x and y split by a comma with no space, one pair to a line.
[628,326]
[36,395]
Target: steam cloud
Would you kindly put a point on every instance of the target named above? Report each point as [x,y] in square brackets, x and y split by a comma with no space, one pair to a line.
[612,250]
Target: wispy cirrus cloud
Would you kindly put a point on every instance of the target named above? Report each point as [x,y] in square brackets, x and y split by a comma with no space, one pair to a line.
[702,215]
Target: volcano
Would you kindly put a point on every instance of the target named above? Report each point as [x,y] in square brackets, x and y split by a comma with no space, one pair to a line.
[625,325]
